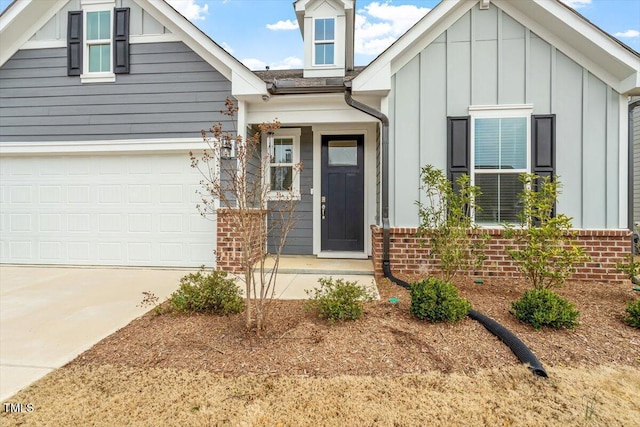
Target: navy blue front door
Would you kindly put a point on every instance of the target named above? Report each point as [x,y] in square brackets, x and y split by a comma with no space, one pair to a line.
[342,197]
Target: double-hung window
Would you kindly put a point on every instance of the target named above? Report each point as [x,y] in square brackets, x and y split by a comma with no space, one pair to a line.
[98,41]
[324,41]
[500,153]
[283,151]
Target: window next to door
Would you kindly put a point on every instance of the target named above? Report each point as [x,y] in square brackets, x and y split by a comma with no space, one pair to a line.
[284,154]
[500,152]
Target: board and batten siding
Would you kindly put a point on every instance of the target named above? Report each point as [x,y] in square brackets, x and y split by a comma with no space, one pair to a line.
[635,134]
[140,22]
[487,58]
[170,93]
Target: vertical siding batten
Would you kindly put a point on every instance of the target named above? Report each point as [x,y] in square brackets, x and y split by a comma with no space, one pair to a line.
[393,181]
[407,144]
[527,66]
[612,159]
[499,65]
[594,154]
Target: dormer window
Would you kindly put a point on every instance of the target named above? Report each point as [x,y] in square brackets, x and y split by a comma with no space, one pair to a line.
[324,41]
[98,41]
[98,46]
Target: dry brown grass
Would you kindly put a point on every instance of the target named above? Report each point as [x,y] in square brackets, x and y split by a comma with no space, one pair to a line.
[111,396]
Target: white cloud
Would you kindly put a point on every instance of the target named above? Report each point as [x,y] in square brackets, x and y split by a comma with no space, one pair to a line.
[190,9]
[628,34]
[226,47]
[254,64]
[576,4]
[287,63]
[380,23]
[283,25]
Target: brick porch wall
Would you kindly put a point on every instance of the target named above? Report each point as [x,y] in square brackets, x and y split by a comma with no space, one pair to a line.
[229,238]
[605,247]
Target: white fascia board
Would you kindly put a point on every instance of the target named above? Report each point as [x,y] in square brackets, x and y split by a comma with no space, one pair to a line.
[305,109]
[378,79]
[631,85]
[587,30]
[102,146]
[614,50]
[13,11]
[206,48]
[367,79]
[22,21]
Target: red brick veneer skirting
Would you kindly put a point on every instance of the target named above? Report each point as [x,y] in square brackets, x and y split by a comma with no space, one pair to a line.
[605,247]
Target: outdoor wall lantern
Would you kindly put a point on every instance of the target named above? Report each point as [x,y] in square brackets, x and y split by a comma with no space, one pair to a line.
[226,149]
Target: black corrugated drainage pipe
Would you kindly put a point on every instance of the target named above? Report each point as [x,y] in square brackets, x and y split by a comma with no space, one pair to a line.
[518,348]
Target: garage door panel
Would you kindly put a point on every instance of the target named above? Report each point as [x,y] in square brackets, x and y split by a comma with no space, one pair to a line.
[78,252]
[51,251]
[103,210]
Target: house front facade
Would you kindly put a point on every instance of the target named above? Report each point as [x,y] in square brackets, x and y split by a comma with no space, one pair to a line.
[93,145]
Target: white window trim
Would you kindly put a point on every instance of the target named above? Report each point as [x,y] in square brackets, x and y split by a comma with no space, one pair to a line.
[317,42]
[497,111]
[101,77]
[294,193]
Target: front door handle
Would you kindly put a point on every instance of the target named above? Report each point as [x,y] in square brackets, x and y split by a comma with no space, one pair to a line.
[322,209]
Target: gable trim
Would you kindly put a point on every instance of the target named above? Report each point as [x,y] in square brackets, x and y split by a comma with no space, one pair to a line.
[243,81]
[594,34]
[446,14]
[27,17]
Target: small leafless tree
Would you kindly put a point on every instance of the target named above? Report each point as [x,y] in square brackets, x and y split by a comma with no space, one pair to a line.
[260,218]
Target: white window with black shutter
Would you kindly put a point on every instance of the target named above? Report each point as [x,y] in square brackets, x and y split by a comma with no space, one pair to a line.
[494,145]
[98,41]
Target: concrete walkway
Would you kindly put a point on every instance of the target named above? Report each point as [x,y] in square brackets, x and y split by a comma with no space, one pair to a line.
[49,315]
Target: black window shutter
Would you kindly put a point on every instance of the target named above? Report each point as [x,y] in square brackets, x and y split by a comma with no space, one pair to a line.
[458,143]
[543,144]
[121,40]
[74,43]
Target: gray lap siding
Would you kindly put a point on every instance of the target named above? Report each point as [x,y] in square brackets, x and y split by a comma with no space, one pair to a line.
[170,93]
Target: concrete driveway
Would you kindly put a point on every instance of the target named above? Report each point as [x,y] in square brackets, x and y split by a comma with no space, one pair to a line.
[48,316]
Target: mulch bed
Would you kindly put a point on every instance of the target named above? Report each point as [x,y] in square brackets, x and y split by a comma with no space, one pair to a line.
[386,341]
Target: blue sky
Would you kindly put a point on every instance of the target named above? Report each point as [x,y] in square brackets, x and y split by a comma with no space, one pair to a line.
[264,32]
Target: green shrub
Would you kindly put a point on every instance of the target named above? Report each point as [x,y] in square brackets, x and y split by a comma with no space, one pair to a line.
[543,307]
[633,313]
[446,224]
[437,301]
[339,300]
[211,292]
[546,251]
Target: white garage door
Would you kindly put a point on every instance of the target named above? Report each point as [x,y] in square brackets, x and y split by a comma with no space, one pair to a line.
[135,210]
